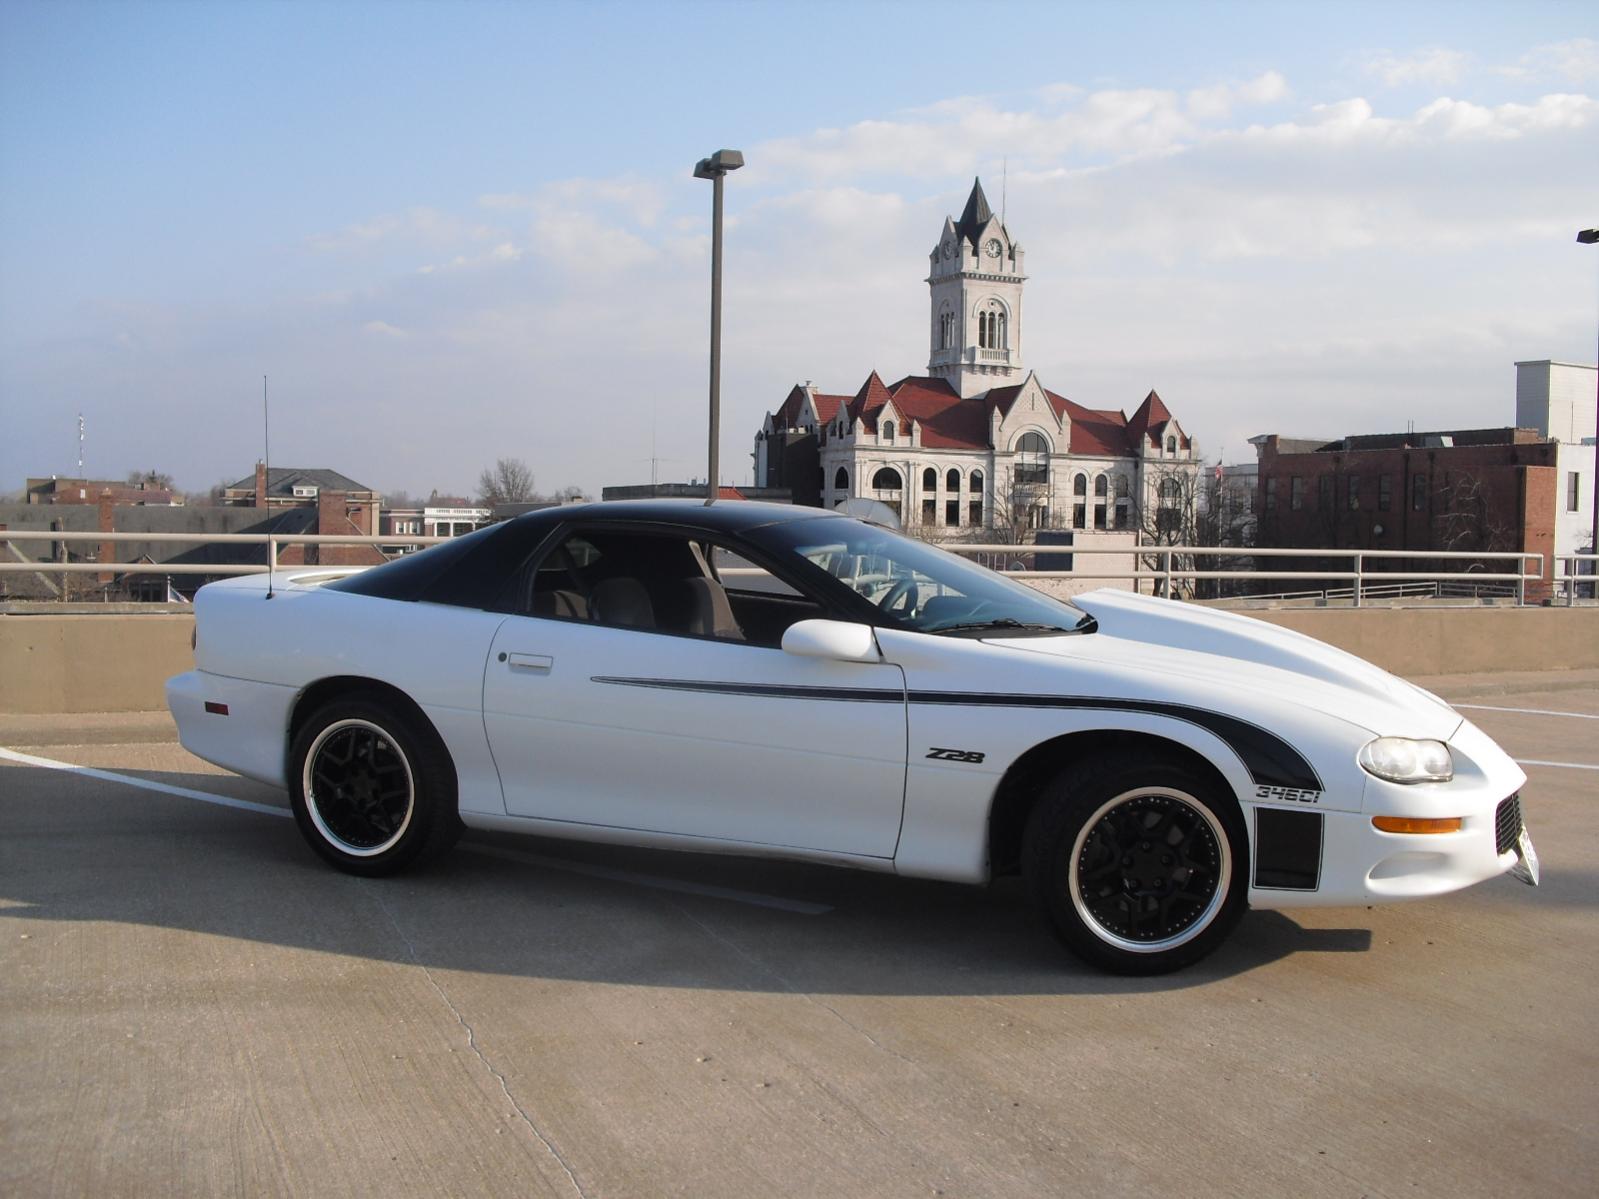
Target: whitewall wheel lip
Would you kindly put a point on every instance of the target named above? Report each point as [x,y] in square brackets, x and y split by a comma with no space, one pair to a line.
[383,741]
[1209,823]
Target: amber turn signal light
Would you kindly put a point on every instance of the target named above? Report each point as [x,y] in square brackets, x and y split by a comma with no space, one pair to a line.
[1412,824]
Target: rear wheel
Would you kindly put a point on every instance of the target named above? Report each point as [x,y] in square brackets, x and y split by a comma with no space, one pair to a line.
[373,792]
[1139,866]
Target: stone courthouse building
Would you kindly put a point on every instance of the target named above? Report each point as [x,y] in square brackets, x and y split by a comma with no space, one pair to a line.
[978,443]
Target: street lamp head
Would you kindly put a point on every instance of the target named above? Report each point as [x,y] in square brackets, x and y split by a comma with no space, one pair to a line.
[719,163]
[1588,236]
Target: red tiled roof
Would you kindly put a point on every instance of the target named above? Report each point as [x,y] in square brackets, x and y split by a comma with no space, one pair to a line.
[868,402]
[947,422]
[1152,416]
[724,492]
[827,406]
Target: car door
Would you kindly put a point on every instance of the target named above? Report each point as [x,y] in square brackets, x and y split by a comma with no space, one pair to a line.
[616,714]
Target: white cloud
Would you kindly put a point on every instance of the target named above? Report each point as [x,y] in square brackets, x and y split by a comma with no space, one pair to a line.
[382,329]
[1435,67]
[1217,102]
[421,225]
[1575,61]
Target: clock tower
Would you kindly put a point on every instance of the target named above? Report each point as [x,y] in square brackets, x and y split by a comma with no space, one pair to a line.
[976,281]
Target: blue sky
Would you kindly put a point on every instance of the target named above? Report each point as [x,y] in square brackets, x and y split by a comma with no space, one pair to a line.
[451,232]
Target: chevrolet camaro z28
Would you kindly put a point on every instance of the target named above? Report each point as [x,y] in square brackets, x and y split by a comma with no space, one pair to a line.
[766,680]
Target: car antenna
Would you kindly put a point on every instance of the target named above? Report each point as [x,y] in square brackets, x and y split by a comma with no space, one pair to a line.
[266,481]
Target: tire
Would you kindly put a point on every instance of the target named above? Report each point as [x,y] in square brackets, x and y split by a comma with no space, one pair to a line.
[1139,865]
[373,792]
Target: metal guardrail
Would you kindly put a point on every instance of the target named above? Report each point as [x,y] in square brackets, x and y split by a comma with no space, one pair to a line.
[1169,570]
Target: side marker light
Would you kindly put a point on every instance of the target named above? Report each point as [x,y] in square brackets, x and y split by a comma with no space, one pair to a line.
[1412,824]
[215,708]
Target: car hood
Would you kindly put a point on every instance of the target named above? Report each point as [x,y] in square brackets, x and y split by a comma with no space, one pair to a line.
[1223,653]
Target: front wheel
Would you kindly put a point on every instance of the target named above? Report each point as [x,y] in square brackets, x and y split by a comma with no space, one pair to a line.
[372,791]
[1139,866]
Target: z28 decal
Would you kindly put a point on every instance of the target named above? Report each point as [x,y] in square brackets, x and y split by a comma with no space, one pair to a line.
[956,755]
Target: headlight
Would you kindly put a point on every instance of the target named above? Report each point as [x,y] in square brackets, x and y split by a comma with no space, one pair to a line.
[1401,760]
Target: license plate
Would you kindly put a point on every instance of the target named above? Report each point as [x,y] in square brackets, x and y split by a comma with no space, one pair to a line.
[1526,867]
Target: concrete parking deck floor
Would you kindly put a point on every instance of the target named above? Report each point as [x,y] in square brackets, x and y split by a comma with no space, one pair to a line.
[190,1003]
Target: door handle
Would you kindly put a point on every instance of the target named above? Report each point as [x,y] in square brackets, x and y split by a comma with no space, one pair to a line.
[539,663]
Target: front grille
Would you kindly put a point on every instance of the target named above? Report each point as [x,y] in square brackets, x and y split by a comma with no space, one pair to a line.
[1507,823]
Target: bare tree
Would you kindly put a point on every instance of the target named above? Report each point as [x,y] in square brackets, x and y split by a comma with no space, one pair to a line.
[1169,514]
[571,494]
[508,481]
[157,480]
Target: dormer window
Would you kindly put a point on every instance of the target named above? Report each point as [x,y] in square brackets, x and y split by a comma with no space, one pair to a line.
[1171,446]
[888,431]
[303,491]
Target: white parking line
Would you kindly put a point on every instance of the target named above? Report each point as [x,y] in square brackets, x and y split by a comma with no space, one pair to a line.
[1528,711]
[108,776]
[751,898]
[1562,765]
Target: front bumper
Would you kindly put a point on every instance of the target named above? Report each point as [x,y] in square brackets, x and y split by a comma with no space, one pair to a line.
[1361,864]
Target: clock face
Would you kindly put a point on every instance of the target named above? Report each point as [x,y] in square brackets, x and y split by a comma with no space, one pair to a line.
[993,247]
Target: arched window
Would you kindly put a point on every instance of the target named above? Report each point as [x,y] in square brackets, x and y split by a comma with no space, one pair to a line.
[974,506]
[1171,445]
[1123,487]
[952,479]
[993,326]
[975,482]
[1032,459]
[1080,485]
[1002,331]
[929,479]
[888,430]
[1101,494]
[887,479]
[841,480]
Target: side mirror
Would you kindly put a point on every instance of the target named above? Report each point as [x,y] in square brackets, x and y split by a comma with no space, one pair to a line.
[837,640]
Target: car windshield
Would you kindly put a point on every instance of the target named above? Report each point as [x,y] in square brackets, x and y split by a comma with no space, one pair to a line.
[916,586]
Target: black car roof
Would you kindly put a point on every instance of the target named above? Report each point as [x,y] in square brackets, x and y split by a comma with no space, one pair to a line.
[724,516]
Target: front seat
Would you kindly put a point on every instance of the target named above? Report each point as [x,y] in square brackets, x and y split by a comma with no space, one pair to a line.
[622,601]
[709,613]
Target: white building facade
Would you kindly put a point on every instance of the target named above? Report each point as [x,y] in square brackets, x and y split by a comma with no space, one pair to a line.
[978,444]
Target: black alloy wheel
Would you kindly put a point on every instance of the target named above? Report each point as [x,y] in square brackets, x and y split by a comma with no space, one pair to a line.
[373,790]
[1138,866]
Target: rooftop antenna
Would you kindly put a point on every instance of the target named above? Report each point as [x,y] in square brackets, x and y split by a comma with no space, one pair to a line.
[1004,186]
[80,445]
[266,482]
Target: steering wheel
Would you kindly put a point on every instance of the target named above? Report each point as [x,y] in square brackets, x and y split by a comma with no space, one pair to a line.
[894,599]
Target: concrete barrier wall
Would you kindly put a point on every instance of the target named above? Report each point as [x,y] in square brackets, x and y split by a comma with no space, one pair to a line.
[120,663]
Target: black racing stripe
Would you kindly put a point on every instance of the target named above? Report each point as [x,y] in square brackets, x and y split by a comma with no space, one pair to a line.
[1271,761]
[863,695]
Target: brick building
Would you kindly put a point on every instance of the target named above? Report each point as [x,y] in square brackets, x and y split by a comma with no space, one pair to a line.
[1463,490]
[55,490]
[1527,489]
[342,507]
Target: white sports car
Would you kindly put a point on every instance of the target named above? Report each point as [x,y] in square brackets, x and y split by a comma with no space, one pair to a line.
[757,679]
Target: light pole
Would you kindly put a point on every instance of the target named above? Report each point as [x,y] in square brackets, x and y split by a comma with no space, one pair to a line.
[715,168]
[1588,237]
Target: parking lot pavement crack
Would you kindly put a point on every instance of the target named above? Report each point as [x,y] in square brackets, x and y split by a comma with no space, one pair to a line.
[472,1044]
[792,989]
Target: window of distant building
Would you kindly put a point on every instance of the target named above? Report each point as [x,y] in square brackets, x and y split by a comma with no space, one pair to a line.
[929,480]
[1354,493]
[974,506]
[1032,459]
[841,480]
[1271,495]
[1101,498]
[1573,491]
[888,431]
[1171,446]
[952,480]
[1296,493]
[1123,502]
[952,512]
[1385,492]
[1418,493]
[929,510]
[1325,491]
[887,484]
